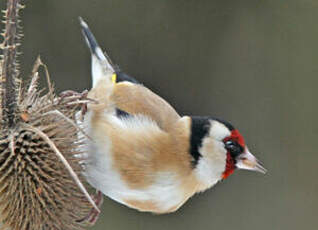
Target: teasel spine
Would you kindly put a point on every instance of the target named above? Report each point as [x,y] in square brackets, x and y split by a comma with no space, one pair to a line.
[9,81]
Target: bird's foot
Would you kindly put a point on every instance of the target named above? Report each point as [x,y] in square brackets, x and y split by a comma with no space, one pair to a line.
[93,215]
[71,97]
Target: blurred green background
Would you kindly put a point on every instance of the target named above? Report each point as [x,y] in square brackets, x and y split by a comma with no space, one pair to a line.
[252,62]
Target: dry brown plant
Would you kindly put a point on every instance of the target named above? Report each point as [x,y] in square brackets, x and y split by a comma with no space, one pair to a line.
[40,149]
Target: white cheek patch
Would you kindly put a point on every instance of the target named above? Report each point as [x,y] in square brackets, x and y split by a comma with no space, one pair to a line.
[212,162]
[219,131]
[211,165]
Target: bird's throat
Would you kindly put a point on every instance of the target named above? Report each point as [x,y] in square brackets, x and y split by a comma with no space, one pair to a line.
[229,167]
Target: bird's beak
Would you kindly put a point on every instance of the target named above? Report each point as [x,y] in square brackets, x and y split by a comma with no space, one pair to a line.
[247,161]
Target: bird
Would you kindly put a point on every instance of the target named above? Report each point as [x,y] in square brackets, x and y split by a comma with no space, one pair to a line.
[143,154]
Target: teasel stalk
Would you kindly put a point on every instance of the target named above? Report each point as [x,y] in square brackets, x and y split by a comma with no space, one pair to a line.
[40,147]
[9,70]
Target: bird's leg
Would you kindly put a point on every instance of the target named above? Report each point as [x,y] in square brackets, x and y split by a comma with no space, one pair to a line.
[71,93]
[93,215]
[72,97]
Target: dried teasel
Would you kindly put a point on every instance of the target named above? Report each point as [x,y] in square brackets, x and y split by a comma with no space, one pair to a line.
[40,149]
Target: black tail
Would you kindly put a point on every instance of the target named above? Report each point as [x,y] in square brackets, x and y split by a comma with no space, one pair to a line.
[92,43]
[96,51]
[89,37]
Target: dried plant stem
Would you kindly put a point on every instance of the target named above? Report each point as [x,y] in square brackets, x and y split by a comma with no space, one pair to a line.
[64,161]
[9,73]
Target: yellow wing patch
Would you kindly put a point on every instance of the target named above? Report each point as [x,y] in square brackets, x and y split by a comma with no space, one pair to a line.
[114,78]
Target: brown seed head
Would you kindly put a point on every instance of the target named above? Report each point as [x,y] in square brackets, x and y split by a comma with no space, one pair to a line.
[40,149]
[36,189]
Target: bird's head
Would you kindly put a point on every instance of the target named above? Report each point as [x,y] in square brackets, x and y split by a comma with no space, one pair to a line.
[218,149]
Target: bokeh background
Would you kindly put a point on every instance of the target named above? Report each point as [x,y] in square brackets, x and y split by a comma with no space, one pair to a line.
[254,63]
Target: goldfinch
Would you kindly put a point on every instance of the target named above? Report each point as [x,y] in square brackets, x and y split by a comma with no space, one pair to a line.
[143,154]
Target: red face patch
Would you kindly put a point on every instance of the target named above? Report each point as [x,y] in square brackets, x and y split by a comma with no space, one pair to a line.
[229,167]
[230,162]
[237,137]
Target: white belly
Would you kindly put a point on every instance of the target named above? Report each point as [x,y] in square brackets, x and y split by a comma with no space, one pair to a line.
[101,174]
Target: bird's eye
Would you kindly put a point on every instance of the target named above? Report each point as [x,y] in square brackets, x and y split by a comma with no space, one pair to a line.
[234,148]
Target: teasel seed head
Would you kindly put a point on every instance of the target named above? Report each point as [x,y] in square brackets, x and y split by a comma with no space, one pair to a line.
[40,148]
[40,165]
